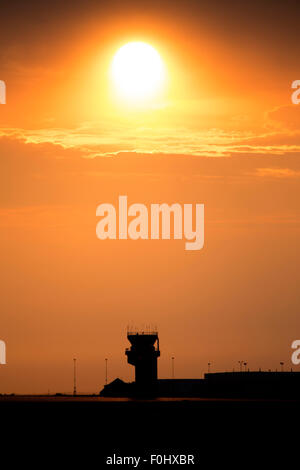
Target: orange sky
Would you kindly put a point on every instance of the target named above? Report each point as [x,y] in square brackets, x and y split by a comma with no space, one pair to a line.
[224,133]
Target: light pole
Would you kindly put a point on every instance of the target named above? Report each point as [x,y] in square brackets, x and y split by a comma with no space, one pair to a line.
[208,367]
[74,390]
[106,371]
[245,364]
[173,375]
[281,363]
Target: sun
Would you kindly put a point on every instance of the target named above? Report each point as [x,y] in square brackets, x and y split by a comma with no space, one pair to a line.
[138,71]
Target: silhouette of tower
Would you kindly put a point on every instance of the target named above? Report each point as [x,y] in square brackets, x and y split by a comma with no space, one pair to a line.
[143,354]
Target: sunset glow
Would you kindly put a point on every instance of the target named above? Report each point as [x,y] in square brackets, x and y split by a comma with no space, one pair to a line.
[167,103]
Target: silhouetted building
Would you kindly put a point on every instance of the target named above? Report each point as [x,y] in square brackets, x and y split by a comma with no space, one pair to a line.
[143,354]
[118,388]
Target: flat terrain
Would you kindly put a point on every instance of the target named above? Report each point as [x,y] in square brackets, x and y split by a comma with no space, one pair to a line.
[88,429]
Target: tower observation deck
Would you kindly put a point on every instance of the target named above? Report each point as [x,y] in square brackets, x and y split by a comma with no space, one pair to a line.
[143,354]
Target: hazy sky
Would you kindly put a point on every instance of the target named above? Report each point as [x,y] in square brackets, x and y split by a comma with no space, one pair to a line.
[224,133]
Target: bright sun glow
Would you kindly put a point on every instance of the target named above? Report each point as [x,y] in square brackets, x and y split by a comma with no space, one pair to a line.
[138,71]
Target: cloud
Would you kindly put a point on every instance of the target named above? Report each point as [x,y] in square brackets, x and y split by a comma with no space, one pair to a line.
[44,185]
[25,160]
[284,117]
[277,172]
[94,139]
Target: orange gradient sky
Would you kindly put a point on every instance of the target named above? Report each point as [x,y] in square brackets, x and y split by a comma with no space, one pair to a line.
[222,132]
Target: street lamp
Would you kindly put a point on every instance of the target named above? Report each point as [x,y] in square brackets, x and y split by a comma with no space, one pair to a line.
[74,390]
[105,371]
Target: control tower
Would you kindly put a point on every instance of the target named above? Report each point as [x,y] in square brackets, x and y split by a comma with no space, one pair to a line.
[143,354]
